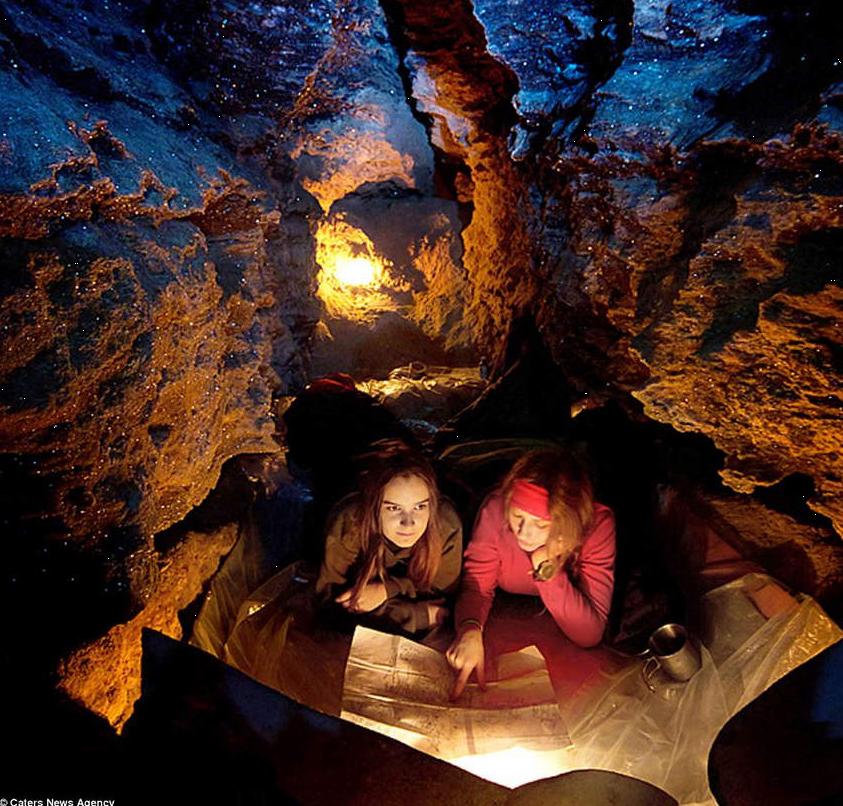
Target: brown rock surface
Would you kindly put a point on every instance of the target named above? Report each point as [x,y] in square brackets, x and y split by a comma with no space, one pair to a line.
[118,360]
[714,297]
[808,558]
[467,95]
[159,282]
[104,676]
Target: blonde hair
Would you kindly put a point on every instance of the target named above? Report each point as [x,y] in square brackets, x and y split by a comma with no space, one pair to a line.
[570,497]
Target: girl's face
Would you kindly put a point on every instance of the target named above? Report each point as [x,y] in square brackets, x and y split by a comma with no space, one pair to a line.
[405,510]
[530,532]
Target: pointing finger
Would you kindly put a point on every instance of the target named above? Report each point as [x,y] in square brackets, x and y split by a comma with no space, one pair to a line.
[459,684]
[481,675]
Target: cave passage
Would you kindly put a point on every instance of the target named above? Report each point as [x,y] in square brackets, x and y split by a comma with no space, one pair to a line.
[609,224]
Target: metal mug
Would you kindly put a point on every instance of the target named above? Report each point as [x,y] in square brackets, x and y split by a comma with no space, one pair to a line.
[671,649]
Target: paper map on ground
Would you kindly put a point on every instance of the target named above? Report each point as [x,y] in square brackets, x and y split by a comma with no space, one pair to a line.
[400,688]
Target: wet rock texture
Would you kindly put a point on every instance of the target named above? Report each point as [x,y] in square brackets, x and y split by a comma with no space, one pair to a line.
[465,95]
[657,186]
[661,185]
[156,293]
[718,301]
[105,675]
[708,258]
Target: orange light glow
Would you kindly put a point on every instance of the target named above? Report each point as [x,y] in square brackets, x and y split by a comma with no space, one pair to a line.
[355,271]
[353,275]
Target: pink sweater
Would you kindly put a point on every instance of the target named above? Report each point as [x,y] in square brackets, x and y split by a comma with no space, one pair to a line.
[577,598]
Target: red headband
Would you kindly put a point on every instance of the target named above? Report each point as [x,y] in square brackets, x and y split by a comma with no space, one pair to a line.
[531,498]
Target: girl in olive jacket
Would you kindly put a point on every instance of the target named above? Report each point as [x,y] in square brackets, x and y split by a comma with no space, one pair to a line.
[394,548]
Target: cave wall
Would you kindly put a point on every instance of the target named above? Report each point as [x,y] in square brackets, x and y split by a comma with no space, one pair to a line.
[702,202]
[660,186]
[657,185]
[157,294]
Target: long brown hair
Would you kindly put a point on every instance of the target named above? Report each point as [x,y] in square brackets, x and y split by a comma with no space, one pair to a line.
[388,460]
[571,497]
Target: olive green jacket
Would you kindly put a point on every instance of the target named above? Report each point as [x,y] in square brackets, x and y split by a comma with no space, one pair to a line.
[405,607]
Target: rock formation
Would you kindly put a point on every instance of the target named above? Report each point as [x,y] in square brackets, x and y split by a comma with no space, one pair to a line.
[657,186]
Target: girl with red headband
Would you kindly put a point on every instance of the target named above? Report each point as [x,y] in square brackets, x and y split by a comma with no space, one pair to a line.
[542,534]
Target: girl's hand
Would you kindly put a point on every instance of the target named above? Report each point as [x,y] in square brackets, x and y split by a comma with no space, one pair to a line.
[467,655]
[371,597]
[538,556]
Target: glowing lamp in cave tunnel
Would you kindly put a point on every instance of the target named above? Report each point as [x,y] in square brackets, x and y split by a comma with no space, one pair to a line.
[355,271]
[352,274]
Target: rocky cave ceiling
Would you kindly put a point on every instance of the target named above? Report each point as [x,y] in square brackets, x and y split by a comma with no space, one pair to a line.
[659,185]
